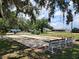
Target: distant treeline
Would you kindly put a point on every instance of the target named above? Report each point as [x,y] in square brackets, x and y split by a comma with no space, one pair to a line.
[75,30]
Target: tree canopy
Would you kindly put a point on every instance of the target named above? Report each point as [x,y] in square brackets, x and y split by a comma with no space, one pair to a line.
[27,7]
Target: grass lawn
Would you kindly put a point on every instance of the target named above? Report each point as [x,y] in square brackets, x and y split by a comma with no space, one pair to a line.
[72,53]
[9,47]
[62,34]
[15,50]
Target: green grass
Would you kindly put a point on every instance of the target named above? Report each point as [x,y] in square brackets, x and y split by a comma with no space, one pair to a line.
[72,53]
[69,53]
[62,34]
[6,46]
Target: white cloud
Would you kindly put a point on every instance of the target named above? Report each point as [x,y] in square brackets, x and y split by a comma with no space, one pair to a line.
[33,3]
[76,21]
[58,13]
[57,25]
[43,13]
[71,5]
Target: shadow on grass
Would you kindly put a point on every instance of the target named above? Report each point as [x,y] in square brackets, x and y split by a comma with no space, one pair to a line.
[9,46]
[69,53]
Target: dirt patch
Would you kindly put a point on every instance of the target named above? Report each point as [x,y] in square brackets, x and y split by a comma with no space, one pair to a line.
[76,42]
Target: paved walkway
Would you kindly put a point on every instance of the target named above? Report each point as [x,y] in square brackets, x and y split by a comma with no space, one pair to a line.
[33,36]
[31,40]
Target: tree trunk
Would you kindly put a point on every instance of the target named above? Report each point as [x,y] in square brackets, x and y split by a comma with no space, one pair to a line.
[0,7]
[71,26]
[1,10]
[41,30]
[63,18]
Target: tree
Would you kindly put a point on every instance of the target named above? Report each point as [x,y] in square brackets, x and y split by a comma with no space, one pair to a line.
[3,27]
[37,27]
[27,7]
[12,20]
[1,10]
[41,24]
[24,25]
[70,18]
[75,30]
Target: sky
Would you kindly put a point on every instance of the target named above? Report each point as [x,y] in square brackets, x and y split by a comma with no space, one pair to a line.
[57,21]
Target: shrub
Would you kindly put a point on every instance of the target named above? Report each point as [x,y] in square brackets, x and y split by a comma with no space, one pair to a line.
[35,32]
